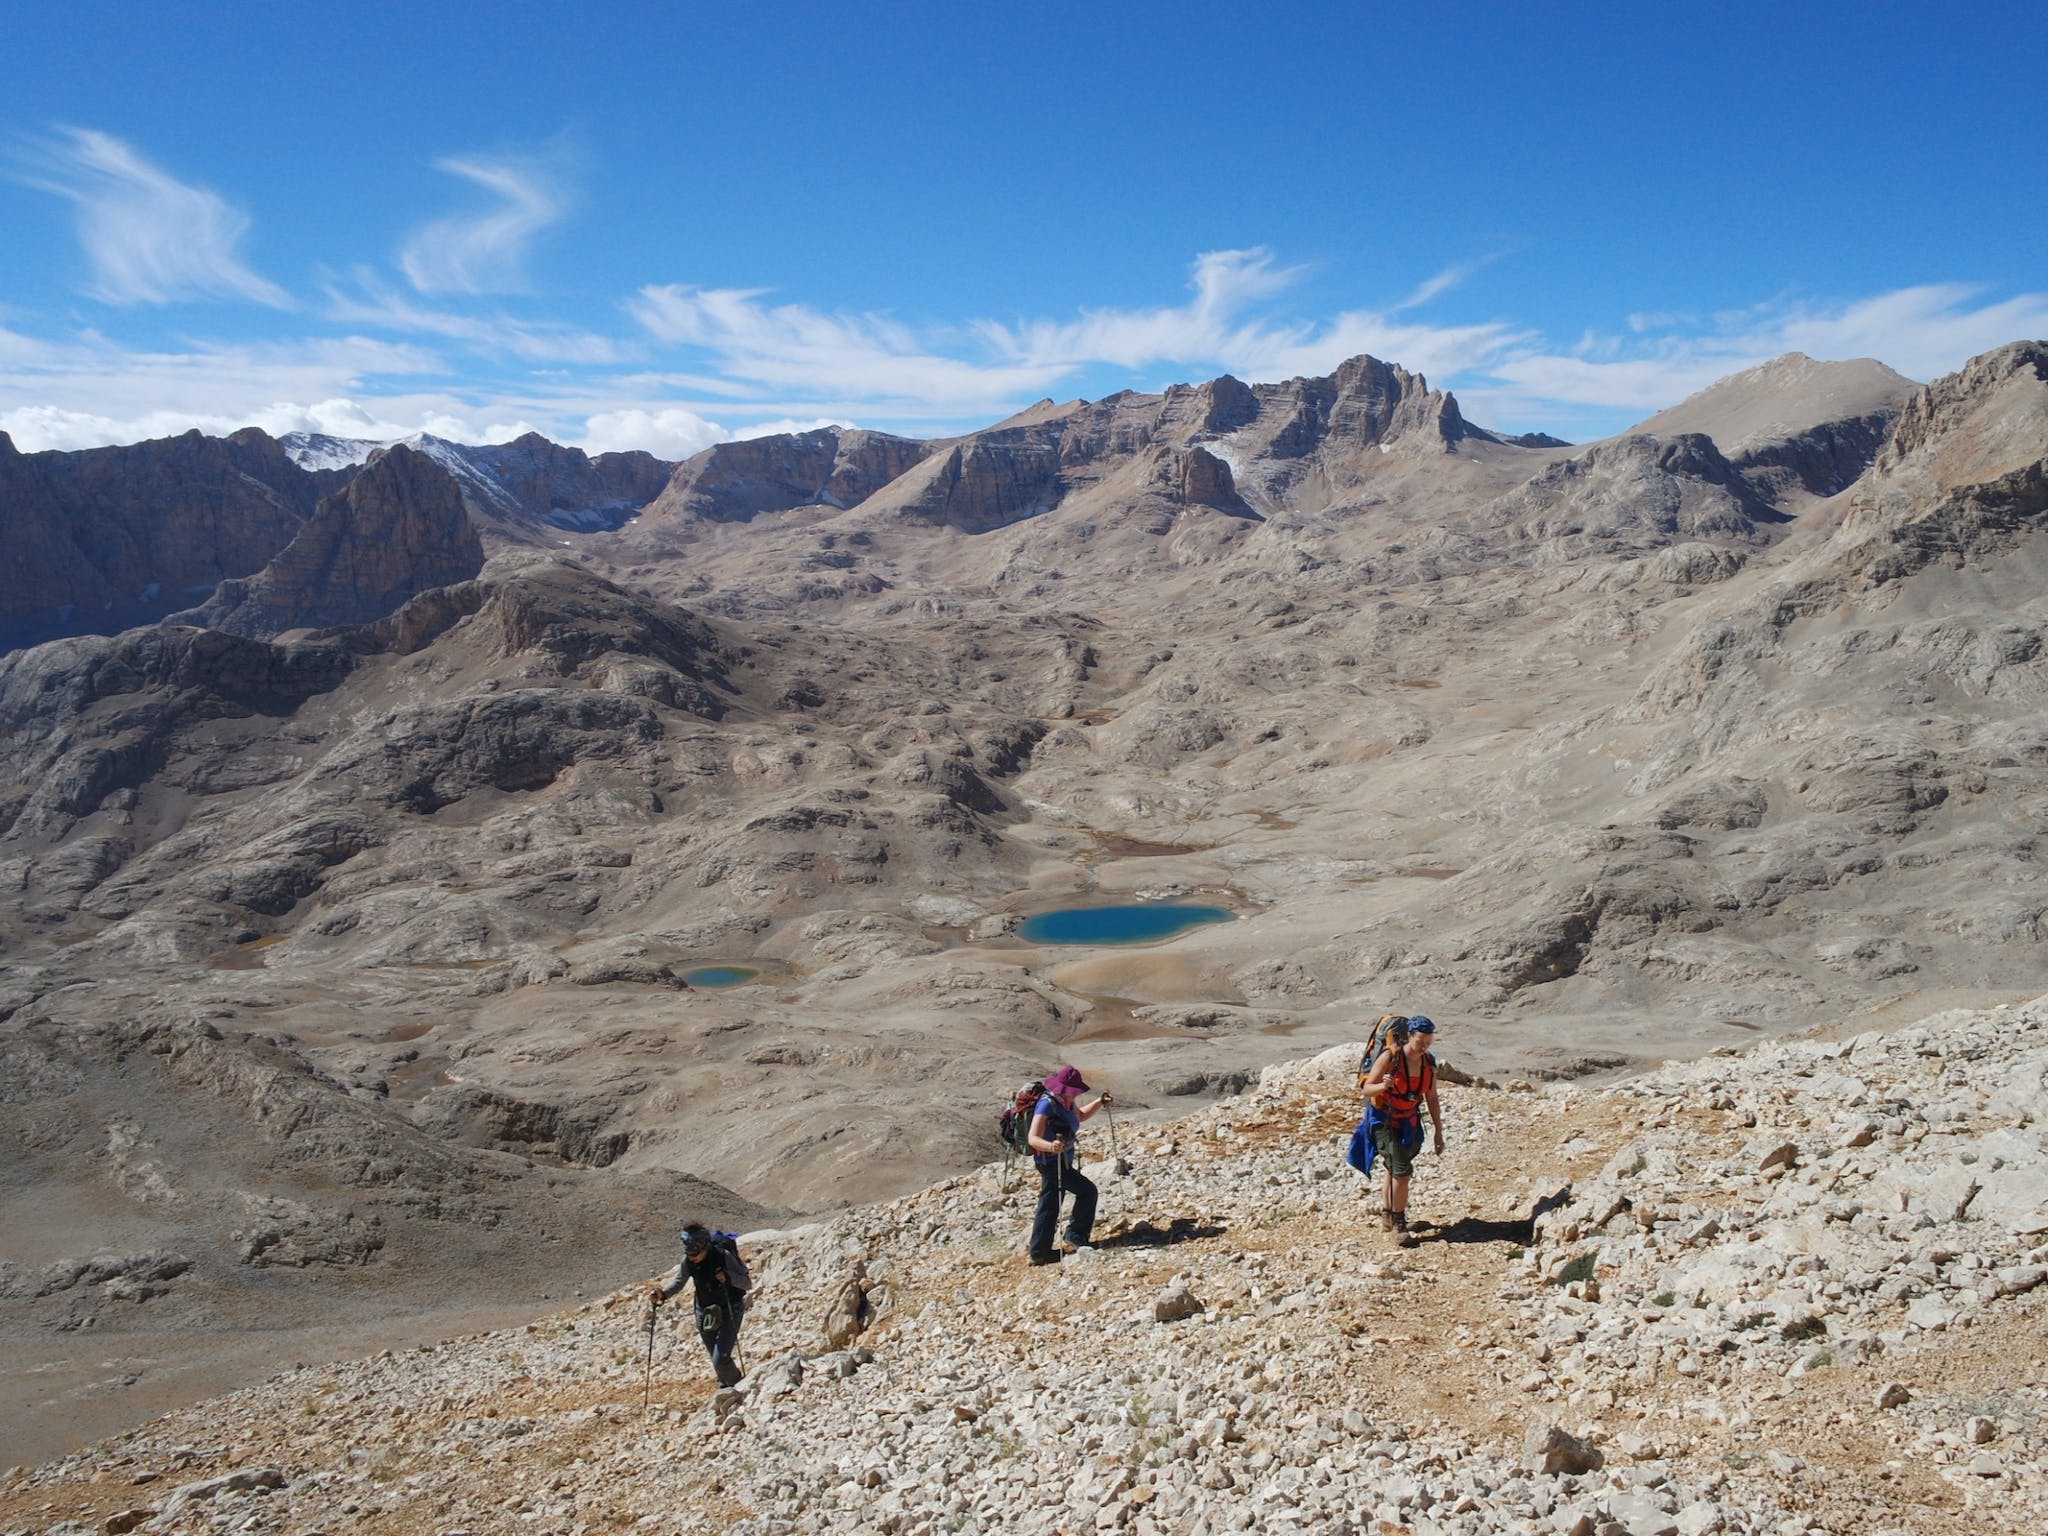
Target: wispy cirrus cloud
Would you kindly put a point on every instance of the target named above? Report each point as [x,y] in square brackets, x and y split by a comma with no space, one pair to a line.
[485,251]
[1224,285]
[371,302]
[148,237]
[1922,331]
[88,391]
[990,365]
[792,346]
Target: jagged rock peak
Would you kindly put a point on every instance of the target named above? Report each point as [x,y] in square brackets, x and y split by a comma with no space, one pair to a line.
[101,539]
[1988,418]
[1393,402]
[399,528]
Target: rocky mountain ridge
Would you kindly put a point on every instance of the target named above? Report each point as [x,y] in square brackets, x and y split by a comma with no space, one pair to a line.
[1793,1288]
[108,538]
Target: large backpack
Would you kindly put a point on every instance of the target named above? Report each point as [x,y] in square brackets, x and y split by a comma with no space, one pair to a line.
[1014,1125]
[1378,1043]
[736,1273]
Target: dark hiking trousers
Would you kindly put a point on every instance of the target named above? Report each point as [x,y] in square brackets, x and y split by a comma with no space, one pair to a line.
[1053,1183]
[719,1328]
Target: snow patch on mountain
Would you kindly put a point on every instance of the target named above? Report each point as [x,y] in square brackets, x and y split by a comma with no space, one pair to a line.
[317,451]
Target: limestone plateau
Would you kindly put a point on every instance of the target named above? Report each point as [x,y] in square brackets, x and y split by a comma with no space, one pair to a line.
[360,821]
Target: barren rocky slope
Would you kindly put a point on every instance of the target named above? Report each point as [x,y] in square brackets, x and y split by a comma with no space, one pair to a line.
[1603,754]
[1797,1288]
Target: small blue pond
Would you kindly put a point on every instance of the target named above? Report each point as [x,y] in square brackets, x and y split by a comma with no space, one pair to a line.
[719,975]
[1141,923]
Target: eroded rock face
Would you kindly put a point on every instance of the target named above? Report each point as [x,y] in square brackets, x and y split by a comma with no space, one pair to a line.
[1638,493]
[93,717]
[1823,460]
[398,529]
[735,482]
[990,480]
[107,538]
[565,487]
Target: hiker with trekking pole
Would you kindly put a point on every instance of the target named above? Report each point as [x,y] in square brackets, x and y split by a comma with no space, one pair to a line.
[1398,1085]
[1055,1130]
[712,1267]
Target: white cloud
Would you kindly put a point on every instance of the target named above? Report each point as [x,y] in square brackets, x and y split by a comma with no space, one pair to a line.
[1437,352]
[1211,331]
[667,433]
[89,391]
[864,356]
[373,304]
[485,252]
[894,371]
[1922,331]
[150,238]
[1224,284]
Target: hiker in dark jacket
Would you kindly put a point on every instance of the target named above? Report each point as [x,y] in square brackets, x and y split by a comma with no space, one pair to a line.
[1401,1084]
[1055,1127]
[713,1267]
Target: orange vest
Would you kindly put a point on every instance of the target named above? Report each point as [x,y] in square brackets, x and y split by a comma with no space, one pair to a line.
[1404,1102]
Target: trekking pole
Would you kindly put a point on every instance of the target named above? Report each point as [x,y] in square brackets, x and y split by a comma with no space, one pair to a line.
[647,1385]
[1110,1110]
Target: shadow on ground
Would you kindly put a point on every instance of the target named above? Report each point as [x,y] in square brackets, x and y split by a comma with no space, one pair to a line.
[1470,1229]
[1146,1234]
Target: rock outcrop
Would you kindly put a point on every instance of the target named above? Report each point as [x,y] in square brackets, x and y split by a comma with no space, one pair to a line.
[830,466]
[107,538]
[398,529]
[516,490]
[1635,494]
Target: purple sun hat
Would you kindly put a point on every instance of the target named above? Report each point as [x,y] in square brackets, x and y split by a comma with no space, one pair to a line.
[1065,1081]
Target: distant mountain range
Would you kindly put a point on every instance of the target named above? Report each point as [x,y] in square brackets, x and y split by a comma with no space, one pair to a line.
[112,537]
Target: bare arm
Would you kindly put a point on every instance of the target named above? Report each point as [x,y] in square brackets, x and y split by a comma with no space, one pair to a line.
[1038,1141]
[1376,1080]
[1436,1114]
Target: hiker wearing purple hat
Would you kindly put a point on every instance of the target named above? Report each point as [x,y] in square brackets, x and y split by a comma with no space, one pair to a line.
[1055,1127]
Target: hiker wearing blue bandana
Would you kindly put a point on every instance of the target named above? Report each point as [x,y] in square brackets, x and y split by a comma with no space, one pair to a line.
[1400,1085]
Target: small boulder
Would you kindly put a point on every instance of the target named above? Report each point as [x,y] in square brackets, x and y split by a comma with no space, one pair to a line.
[1177,1302]
[1554,1450]
[850,1312]
[1767,1152]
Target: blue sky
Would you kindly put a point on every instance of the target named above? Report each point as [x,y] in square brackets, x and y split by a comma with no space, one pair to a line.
[656,225]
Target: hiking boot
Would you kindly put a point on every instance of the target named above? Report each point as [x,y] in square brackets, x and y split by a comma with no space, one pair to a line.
[1386,1218]
[1046,1258]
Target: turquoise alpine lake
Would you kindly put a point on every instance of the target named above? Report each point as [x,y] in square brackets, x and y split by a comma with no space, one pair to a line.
[719,976]
[1139,923]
